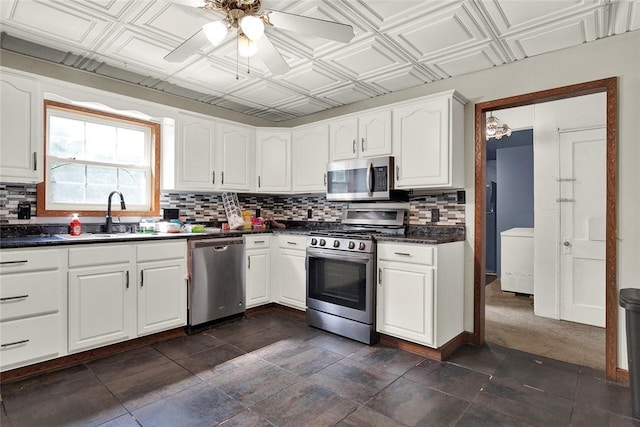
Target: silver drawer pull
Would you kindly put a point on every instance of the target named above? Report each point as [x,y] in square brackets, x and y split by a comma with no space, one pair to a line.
[14,298]
[258,242]
[14,343]
[402,254]
[291,243]
[14,263]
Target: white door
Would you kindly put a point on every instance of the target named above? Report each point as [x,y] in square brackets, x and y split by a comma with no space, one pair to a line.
[582,226]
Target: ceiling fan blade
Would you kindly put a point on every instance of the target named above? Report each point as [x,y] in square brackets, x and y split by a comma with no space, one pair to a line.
[188,47]
[268,53]
[311,26]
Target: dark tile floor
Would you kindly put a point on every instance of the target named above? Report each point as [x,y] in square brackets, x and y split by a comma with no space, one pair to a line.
[273,370]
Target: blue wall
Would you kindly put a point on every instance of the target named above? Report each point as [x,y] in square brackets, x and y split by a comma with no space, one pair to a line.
[515,190]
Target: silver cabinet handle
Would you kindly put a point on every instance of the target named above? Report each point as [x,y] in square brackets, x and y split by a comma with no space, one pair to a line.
[14,263]
[379,275]
[213,177]
[222,178]
[259,242]
[14,298]
[363,145]
[258,181]
[291,243]
[402,254]
[325,179]
[249,262]
[397,172]
[127,279]
[35,161]
[142,278]
[14,343]
[354,146]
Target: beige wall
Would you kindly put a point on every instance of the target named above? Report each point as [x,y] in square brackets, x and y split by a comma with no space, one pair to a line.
[614,56]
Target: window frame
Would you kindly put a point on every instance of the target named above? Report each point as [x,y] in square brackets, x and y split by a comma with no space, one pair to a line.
[155,148]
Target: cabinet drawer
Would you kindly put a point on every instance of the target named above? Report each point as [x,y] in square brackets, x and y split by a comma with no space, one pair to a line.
[416,254]
[257,242]
[101,255]
[18,261]
[30,340]
[292,241]
[30,294]
[159,251]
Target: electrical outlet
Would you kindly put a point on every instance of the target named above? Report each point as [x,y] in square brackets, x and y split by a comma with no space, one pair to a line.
[461,197]
[24,211]
[309,214]
[435,215]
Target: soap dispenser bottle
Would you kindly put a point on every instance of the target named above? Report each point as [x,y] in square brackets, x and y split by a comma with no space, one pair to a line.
[75,227]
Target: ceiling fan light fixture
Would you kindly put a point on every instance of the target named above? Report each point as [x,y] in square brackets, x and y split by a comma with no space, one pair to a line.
[495,129]
[215,31]
[252,27]
[246,47]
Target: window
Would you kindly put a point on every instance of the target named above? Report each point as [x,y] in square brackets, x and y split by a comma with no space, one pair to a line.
[89,154]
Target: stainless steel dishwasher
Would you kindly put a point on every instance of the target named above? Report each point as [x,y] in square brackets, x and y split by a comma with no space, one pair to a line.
[217,279]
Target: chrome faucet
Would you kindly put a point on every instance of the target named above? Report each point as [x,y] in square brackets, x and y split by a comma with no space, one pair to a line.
[108,225]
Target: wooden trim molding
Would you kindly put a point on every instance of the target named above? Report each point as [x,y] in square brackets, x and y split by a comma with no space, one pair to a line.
[440,354]
[610,87]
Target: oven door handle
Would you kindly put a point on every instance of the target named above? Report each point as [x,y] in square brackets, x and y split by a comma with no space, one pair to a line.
[341,255]
[370,179]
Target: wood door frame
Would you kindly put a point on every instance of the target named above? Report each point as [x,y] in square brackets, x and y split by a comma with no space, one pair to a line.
[610,87]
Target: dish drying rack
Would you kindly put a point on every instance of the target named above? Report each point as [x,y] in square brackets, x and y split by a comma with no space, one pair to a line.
[232,210]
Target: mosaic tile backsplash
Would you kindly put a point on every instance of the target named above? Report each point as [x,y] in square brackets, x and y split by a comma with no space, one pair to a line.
[207,207]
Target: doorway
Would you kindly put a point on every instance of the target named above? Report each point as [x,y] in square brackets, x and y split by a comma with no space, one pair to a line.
[609,86]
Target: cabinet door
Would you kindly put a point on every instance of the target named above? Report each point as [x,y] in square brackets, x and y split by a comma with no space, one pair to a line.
[258,273]
[405,301]
[293,279]
[236,157]
[162,295]
[273,161]
[374,132]
[310,155]
[343,135]
[195,154]
[20,115]
[102,306]
[421,144]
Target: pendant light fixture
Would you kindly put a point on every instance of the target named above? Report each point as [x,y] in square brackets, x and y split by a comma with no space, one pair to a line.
[495,129]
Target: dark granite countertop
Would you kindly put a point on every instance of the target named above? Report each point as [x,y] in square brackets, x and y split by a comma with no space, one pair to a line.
[417,234]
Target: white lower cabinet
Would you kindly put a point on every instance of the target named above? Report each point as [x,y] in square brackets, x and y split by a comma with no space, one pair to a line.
[33,306]
[120,291]
[102,295]
[292,279]
[420,292]
[162,286]
[258,270]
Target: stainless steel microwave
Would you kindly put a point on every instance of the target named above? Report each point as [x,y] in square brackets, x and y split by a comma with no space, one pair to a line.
[360,179]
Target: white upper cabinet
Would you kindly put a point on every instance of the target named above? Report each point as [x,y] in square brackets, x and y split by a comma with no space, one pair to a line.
[20,124]
[366,135]
[236,157]
[428,143]
[212,155]
[195,153]
[310,155]
[273,161]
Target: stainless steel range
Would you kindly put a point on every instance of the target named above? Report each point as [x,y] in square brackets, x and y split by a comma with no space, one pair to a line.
[341,270]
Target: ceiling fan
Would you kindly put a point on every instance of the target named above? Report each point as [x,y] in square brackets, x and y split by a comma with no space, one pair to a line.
[248,21]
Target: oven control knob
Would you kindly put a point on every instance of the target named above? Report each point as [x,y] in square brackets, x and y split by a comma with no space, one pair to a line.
[336,243]
[352,245]
[361,246]
[322,242]
[314,241]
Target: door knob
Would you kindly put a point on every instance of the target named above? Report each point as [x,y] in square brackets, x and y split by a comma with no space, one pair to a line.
[567,244]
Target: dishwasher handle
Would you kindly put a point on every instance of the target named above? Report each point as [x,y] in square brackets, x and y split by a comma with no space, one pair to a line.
[216,243]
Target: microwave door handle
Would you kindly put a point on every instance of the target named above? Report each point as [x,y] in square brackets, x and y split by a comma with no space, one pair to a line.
[370,179]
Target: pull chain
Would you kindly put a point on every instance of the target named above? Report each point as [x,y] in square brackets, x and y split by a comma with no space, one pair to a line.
[237,56]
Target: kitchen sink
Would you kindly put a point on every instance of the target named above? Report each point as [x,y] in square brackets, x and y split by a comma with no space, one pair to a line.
[89,236]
